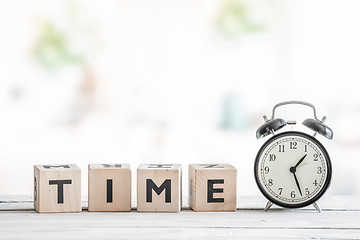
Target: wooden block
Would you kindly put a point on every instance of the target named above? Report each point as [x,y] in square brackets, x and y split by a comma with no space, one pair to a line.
[212,187]
[57,188]
[159,188]
[109,188]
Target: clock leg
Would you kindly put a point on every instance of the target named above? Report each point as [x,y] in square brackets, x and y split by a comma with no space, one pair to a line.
[318,208]
[268,205]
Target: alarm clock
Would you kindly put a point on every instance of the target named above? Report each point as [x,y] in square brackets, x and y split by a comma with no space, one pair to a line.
[292,168]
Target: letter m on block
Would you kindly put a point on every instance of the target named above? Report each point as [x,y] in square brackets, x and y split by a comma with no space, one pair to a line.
[166,185]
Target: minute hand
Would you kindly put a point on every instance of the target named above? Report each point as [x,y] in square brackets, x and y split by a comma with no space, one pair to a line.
[300,161]
[297,183]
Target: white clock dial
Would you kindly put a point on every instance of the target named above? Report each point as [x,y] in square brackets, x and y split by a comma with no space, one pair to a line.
[292,169]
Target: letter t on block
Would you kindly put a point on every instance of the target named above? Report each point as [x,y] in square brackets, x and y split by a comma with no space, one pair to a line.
[159,188]
[57,188]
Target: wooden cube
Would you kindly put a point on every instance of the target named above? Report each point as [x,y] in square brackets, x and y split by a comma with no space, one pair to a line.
[57,188]
[109,188]
[212,187]
[159,188]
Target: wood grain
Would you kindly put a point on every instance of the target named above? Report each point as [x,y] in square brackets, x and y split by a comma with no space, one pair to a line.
[340,219]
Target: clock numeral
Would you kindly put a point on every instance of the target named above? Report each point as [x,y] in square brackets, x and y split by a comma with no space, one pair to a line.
[267,169]
[293,145]
[293,194]
[270,182]
[307,192]
[315,183]
[281,148]
[280,190]
[305,148]
[316,157]
[272,157]
[319,170]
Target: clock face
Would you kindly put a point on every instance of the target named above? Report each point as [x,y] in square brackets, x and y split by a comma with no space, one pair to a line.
[292,169]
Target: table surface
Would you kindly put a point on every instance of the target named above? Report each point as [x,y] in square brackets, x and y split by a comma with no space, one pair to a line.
[340,219]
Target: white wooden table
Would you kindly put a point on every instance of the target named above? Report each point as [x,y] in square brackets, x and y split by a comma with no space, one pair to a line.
[340,219]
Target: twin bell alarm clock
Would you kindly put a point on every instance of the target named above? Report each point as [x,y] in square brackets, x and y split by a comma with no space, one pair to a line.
[293,169]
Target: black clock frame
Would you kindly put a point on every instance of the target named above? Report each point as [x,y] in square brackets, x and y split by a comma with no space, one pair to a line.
[328,176]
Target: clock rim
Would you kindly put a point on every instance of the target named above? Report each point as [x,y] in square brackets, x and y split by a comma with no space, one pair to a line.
[325,185]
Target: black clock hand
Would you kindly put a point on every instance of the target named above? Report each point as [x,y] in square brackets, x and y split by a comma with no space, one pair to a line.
[300,161]
[297,183]
[293,170]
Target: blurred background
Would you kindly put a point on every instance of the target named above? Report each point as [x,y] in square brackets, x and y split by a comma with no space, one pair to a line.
[179,81]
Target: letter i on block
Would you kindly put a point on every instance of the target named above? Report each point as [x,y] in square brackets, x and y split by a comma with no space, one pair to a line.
[57,188]
[212,187]
[109,188]
[159,188]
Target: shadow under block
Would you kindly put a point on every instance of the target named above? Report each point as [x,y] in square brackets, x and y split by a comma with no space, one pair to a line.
[57,188]
[159,188]
[212,187]
[109,188]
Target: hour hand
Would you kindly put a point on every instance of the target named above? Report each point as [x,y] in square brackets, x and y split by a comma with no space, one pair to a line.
[300,161]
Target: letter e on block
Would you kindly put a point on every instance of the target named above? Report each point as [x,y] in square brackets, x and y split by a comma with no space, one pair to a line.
[109,188]
[57,188]
[212,187]
[159,188]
